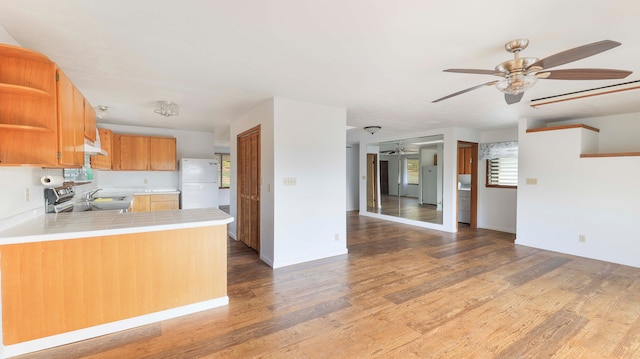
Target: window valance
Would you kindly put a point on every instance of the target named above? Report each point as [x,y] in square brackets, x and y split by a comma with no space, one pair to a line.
[495,150]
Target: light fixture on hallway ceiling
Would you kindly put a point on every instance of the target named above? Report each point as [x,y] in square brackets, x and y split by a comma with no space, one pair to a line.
[167,108]
[372,129]
[103,112]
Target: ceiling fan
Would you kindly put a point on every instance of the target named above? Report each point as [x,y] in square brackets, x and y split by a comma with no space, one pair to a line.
[398,151]
[521,73]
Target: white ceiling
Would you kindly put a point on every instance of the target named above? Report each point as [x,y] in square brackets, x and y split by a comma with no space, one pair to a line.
[381,60]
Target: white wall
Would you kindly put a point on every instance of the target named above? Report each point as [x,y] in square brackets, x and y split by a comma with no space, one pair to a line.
[15,181]
[306,221]
[262,115]
[618,133]
[496,206]
[352,177]
[310,217]
[593,197]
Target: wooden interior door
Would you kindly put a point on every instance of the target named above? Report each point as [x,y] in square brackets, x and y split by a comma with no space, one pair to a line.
[384,177]
[248,225]
[372,180]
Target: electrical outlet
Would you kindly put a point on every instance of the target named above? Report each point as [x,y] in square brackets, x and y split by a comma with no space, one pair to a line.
[146,181]
[582,238]
[26,195]
[336,237]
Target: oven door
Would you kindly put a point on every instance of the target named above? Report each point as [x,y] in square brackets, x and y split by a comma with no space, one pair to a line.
[66,206]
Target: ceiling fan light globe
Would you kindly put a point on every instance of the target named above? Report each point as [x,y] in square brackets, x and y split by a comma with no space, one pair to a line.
[516,83]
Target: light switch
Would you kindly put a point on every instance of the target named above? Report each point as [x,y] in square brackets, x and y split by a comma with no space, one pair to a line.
[289,181]
[532,181]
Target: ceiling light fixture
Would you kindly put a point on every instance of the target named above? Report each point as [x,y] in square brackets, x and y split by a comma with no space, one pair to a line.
[372,129]
[516,83]
[167,108]
[103,112]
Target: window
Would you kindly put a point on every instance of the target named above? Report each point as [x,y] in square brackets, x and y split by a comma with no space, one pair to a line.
[224,170]
[502,172]
[413,171]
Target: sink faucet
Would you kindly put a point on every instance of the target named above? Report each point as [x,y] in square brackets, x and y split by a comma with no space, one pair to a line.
[90,194]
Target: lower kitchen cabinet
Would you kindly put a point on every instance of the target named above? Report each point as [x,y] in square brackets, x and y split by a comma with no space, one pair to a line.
[154,202]
[464,206]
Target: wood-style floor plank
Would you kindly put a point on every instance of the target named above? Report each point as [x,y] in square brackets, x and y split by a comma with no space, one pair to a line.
[403,292]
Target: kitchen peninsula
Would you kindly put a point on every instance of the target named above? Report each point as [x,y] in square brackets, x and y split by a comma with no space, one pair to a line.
[71,276]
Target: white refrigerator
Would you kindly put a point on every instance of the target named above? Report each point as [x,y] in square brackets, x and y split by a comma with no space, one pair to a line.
[198,182]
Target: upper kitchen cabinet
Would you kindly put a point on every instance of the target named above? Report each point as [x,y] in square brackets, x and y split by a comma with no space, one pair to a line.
[464,160]
[130,153]
[103,162]
[28,117]
[71,119]
[143,153]
[162,152]
[89,121]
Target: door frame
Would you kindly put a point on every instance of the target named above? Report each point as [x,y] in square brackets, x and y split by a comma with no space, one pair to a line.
[372,180]
[256,173]
[473,212]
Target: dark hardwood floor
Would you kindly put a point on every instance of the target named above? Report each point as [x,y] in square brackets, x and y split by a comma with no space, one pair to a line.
[403,292]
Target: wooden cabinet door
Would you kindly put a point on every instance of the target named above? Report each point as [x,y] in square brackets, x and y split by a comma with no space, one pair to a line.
[70,122]
[163,202]
[141,203]
[464,160]
[134,153]
[162,151]
[89,121]
[103,162]
[28,109]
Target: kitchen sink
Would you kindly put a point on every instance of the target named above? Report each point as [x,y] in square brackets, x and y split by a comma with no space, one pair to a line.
[104,203]
[116,202]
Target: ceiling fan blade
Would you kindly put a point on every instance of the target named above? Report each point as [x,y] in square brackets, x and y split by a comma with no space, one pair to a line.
[511,99]
[575,54]
[474,71]
[465,91]
[583,74]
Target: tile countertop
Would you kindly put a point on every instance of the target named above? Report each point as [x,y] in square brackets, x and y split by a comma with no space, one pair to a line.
[107,192]
[52,226]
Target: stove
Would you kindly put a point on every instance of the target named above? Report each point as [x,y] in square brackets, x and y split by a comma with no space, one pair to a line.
[59,199]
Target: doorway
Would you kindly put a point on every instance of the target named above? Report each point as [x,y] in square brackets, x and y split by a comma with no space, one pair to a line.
[384,177]
[248,221]
[467,194]
[372,180]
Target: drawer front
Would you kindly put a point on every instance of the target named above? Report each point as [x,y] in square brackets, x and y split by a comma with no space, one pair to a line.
[164,197]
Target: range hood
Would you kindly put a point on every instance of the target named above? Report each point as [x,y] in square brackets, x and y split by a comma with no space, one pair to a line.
[93,150]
